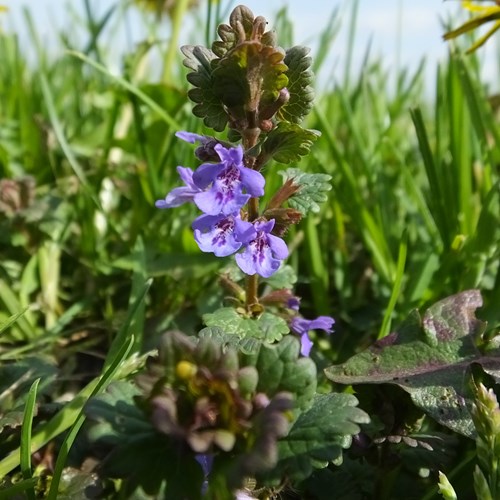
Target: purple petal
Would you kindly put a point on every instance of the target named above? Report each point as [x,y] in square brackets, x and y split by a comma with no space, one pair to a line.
[305,345]
[230,156]
[257,259]
[245,262]
[278,246]
[244,231]
[264,254]
[293,303]
[207,173]
[213,202]
[205,221]
[192,138]
[205,460]
[176,197]
[186,175]
[182,194]
[301,325]
[216,234]
[266,226]
[252,181]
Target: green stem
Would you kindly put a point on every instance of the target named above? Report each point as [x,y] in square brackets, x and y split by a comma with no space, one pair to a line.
[181,6]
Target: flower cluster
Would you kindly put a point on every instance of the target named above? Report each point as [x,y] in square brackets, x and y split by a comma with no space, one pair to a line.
[220,190]
[204,395]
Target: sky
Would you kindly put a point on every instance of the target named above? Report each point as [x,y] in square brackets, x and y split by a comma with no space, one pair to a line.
[401,32]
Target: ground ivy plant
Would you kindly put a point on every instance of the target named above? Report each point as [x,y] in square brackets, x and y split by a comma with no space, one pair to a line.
[234,410]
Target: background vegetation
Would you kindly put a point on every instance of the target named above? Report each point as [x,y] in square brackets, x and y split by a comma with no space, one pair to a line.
[412,216]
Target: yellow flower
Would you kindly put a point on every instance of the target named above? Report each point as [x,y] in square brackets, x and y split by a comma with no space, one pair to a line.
[486,14]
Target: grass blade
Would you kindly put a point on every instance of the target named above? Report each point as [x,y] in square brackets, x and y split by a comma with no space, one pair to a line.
[105,380]
[25,455]
[131,88]
[396,289]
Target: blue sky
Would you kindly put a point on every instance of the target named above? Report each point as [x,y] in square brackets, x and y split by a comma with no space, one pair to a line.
[401,31]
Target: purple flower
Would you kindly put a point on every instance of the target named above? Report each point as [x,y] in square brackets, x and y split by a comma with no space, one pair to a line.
[222,235]
[180,195]
[302,326]
[228,179]
[263,255]
[293,303]
[192,138]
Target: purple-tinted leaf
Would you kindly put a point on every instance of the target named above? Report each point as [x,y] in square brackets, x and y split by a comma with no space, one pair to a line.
[427,358]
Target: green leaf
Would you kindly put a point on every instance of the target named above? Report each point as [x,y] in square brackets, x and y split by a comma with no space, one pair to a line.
[281,369]
[300,77]
[78,485]
[208,105]
[313,189]
[319,435]
[159,461]
[285,277]
[249,77]
[287,142]
[245,345]
[267,327]
[103,409]
[121,424]
[428,359]
[16,379]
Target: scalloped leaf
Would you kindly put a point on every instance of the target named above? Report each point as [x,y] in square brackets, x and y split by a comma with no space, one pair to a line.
[300,78]
[319,435]
[244,345]
[208,106]
[312,192]
[285,277]
[117,399]
[249,77]
[428,359]
[287,142]
[281,369]
[267,327]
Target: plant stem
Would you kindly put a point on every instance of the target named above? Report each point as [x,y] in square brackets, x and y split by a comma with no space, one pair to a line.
[252,282]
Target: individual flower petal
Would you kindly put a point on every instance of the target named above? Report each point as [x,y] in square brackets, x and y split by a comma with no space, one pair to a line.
[262,255]
[221,235]
[207,173]
[213,202]
[192,138]
[230,156]
[253,181]
[293,303]
[183,194]
[302,327]
[305,344]
[205,460]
